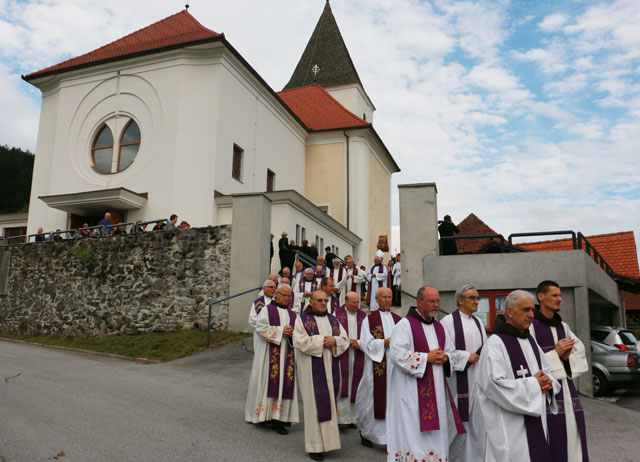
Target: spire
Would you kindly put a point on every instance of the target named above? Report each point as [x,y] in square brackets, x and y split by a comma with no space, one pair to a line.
[327,52]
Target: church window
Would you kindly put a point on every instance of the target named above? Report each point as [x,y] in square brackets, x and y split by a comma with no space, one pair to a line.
[129,145]
[271,180]
[102,150]
[105,158]
[236,169]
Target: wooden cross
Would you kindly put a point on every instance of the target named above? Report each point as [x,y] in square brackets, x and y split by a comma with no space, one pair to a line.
[522,372]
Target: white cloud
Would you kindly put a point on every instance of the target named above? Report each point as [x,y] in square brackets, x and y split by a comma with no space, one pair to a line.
[553,22]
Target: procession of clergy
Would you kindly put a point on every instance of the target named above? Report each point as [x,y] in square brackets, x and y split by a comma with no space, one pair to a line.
[427,390]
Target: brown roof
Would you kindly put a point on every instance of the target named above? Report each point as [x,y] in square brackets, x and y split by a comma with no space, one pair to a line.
[327,50]
[471,226]
[178,30]
[318,110]
[618,250]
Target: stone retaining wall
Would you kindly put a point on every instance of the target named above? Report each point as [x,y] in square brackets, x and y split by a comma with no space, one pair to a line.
[155,281]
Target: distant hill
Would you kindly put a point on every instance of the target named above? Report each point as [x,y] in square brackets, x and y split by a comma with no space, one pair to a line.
[16,170]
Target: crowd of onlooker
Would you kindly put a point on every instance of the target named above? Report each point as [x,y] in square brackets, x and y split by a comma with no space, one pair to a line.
[107,228]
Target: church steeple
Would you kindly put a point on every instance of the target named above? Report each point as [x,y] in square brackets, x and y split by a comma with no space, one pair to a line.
[326,50]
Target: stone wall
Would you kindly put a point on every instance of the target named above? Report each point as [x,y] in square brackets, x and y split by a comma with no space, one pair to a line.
[155,281]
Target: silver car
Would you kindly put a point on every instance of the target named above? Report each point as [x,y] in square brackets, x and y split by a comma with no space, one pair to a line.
[612,368]
[619,337]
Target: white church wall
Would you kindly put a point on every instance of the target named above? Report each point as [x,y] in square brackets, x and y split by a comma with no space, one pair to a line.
[354,98]
[359,195]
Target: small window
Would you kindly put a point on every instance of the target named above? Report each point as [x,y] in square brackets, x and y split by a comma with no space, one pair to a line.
[129,145]
[271,181]
[303,234]
[298,234]
[236,170]
[102,150]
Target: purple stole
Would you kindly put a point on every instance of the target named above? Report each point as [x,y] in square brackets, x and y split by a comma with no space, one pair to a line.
[373,272]
[259,304]
[358,360]
[536,439]
[314,284]
[462,379]
[334,304]
[557,422]
[354,286]
[380,369]
[427,401]
[288,384]
[331,274]
[318,372]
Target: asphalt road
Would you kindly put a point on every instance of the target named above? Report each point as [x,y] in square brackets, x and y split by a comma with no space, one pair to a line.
[63,406]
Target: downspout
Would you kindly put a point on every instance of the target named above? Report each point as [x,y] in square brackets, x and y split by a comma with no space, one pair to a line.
[348,178]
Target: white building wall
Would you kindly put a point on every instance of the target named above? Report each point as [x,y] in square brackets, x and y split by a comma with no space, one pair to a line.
[359,196]
[354,98]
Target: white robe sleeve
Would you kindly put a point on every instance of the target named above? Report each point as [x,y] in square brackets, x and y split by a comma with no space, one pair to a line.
[401,352]
[359,278]
[373,348]
[382,276]
[272,334]
[461,357]
[578,357]
[253,317]
[342,342]
[311,345]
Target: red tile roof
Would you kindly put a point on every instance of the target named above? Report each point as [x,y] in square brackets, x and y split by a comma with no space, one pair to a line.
[618,250]
[318,110]
[177,30]
[471,226]
[631,301]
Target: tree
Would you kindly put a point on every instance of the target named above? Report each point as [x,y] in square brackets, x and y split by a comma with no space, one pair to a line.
[16,171]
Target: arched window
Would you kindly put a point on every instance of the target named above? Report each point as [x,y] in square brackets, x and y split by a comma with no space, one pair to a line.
[102,150]
[129,145]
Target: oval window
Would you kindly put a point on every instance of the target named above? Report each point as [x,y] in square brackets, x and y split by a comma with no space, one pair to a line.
[129,145]
[102,151]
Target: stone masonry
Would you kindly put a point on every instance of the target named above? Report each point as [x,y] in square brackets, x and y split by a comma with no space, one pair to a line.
[155,281]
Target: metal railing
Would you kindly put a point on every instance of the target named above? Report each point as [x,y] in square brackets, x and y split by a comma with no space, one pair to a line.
[543,233]
[477,236]
[218,301]
[304,258]
[593,253]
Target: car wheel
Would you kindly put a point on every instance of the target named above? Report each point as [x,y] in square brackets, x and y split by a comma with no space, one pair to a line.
[599,383]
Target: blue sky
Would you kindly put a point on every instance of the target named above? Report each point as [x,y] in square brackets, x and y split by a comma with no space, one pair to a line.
[524,112]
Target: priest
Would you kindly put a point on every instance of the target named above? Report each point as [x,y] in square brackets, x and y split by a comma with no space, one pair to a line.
[514,388]
[319,340]
[468,335]
[328,286]
[351,318]
[566,355]
[354,276]
[422,417]
[339,275]
[378,277]
[268,292]
[371,399]
[304,289]
[272,395]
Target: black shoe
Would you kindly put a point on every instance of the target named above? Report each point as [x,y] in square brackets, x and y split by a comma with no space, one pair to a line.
[365,442]
[278,427]
[353,426]
[316,455]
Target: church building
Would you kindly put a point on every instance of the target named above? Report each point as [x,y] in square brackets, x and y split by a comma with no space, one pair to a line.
[172,119]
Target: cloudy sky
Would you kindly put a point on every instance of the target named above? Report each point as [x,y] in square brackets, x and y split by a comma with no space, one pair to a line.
[525,112]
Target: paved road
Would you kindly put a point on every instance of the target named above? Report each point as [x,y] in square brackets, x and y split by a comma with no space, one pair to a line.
[69,407]
[628,398]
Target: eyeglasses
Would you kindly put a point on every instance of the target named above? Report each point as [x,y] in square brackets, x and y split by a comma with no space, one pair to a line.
[325,300]
[473,298]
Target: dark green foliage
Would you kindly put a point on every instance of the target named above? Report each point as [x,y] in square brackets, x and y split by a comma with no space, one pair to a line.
[16,170]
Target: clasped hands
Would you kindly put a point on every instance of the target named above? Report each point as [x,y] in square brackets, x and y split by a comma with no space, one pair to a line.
[329,342]
[288,331]
[437,356]
[544,381]
[564,347]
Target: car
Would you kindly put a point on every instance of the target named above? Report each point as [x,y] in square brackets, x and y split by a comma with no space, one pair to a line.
[619,337]
[612,367]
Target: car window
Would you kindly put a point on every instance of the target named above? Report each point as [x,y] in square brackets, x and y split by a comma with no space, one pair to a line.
[598,335]
[627,337]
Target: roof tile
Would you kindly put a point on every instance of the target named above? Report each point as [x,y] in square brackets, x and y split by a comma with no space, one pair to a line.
[471,226]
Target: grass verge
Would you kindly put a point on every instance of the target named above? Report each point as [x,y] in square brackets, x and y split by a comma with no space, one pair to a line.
[163,346]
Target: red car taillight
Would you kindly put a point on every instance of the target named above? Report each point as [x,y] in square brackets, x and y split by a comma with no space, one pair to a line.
[621,347]
[631,362]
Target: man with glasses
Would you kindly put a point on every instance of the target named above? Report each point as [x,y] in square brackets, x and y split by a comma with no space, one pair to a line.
[319,340]
[272,396]
[514,387]
[468,335]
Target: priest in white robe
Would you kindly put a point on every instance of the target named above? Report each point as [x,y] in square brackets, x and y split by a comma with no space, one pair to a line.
[421,415]
[267,293]
[354,276]
[338,273]
[303,290]
[319,340]
[371,399]
[514,388]
[468,335]
[328,285]
[272,395]
[566,354]
[352,361]
[378,277]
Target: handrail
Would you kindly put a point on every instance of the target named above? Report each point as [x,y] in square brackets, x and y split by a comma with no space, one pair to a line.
[597,258]
[304,258]
[544,233]
[440,310]
[220,300]
[476,236]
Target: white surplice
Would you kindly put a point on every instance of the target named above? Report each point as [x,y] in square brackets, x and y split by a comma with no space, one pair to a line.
[258,407]
[500,401]
[462,448]
[357,278]
[339,281]
[318,436]
[579,365]
[347,409]
[253,317]
[300,301]
[371,428]
[379,275]
[405,441]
